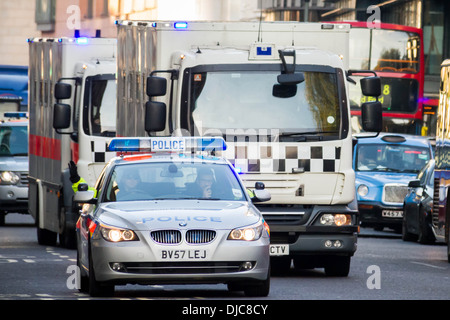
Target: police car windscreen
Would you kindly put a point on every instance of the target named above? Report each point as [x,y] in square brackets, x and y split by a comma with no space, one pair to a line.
[174,181]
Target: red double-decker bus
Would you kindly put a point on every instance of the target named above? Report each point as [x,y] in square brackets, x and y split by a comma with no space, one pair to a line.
[395,53]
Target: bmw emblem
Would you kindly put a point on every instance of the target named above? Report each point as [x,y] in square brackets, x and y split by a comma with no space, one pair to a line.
[182,224]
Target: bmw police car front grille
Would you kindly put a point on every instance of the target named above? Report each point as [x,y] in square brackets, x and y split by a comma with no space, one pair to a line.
[175,236]
[200,236]
[166,236]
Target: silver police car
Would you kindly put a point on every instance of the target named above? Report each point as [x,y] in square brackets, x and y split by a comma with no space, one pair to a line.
[171,218]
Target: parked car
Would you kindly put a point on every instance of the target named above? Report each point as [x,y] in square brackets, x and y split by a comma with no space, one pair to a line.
[13,164]
[418,207]
[384,165]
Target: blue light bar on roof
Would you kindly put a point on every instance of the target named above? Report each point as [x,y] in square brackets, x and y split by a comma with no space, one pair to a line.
[180,25]
[82,40]
[168,144]
[15,114]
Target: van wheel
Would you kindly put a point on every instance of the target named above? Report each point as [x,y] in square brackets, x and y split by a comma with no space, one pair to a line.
[338,266]
[67,237]
[44,236]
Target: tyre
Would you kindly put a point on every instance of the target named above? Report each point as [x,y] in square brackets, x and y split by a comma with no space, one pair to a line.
[407,236]
[97,289]
[67,237]
[280,266]
[258,289]
[84,280]
[338,266]
[448,251]
[426,235]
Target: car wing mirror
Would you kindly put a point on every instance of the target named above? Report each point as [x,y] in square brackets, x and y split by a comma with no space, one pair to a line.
[414,183]
[87,196]
[260,194]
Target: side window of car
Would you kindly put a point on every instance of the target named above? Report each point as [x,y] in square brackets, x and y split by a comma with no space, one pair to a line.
[100,182]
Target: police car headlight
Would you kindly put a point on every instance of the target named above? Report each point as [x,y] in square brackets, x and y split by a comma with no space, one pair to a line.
[117,235]
[9,177]
[250,233]
[363,190]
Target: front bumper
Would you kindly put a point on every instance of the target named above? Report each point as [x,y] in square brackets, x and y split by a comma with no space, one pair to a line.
[143,262]
[371,215]
[14,198]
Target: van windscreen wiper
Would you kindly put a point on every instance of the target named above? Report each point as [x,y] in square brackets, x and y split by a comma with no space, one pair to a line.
[308,135]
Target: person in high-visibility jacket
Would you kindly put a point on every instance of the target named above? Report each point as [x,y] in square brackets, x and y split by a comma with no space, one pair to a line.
[76,179]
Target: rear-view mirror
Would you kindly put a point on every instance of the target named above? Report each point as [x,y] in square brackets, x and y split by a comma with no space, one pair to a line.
[284,90]
[291,78]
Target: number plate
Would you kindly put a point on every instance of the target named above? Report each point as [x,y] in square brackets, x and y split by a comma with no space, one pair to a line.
[279,249]
[392,213]
[193,254]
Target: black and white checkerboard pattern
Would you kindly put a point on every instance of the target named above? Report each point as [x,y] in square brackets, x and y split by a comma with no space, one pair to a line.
[260,158]
[99,153]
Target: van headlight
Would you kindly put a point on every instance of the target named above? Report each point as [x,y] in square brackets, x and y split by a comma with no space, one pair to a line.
[335,219]
[9,177]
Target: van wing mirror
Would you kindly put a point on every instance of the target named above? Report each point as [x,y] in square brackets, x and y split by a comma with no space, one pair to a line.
[155,116]
[371,116]
[63,90]
[156,86]
[61,116]
[371,86]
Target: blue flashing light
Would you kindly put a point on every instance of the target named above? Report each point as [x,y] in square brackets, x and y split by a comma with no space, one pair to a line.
[168,144]
[16,114]
[82,40]
[211,144]
[180,25]
[121,144]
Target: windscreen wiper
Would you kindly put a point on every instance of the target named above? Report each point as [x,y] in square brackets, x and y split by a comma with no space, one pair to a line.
[309,135]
